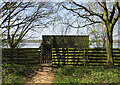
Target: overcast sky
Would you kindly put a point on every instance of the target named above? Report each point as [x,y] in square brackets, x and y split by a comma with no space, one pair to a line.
[73,31]
[57,31]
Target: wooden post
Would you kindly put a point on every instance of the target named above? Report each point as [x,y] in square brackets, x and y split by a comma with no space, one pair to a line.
[87,56]
[84,57]
[52,56]
[64,55]
[39,54]
[17,54]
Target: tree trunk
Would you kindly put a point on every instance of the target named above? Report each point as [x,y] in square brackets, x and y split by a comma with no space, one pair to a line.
[109,47]
[12,52]
[103,38]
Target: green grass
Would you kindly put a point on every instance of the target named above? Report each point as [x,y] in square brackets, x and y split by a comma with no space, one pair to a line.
[80,74]
[14,73]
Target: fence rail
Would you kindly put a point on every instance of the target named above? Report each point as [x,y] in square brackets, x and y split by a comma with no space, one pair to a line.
[22,55]
[25,55]
[88,56]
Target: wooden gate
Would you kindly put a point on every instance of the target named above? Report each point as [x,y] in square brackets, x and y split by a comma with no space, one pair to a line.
[45,57]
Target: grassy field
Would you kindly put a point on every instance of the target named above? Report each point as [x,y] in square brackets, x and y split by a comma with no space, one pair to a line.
[14,73]
[80,74]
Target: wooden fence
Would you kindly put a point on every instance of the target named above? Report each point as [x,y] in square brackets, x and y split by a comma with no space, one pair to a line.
[22,55]
[88,56]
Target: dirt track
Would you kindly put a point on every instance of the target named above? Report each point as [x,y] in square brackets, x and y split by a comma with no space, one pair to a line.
[43,75]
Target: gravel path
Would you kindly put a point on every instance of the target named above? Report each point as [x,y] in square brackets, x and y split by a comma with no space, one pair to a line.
[43,75]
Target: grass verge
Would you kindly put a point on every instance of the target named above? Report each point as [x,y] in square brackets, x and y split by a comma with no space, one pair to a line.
[80,74]
[14,73]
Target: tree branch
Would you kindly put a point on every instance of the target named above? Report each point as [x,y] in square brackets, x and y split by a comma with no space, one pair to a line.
[91,12]
[80,26]
[10,14]
[84,16]
[113,11]
[118,7]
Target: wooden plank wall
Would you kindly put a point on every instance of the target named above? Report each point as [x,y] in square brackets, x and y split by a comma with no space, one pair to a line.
[88,56]
[22,55]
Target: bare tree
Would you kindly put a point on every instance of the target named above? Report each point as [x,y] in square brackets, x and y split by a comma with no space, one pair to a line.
[18,18]
[105,13]
[97,35]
